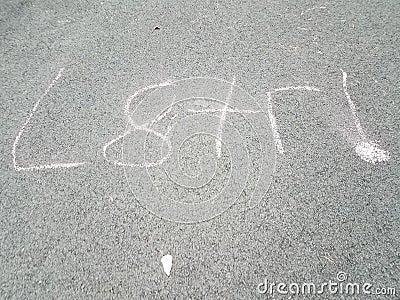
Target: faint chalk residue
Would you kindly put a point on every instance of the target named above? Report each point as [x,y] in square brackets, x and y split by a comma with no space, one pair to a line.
[218,143]
[368,150]
[18,137]
[166,261]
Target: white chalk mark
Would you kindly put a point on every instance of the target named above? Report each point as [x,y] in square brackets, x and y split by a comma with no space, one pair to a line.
[105,147]
[371,152]
[63,21]
[50,166]
[312,8]
[132,126]
[303,28]
[295,88]
[216,110]
[353,109]
[136,94]
[164,114]
[278,141]
[166,261]
[218,144]
[368,150]
[329,258]
[159,162]
[169,128]
[14,148]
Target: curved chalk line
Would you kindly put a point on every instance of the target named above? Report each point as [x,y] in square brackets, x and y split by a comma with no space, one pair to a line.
[132,126]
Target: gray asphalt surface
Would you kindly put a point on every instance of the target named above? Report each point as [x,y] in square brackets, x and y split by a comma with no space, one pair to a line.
[79,233]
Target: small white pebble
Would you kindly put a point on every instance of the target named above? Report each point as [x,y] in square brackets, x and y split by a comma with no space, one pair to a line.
[166,261]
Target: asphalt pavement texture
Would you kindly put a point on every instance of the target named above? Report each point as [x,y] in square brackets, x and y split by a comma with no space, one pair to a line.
[82,232]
